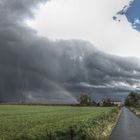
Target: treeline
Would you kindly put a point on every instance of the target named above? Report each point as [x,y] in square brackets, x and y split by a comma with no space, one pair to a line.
[133,99]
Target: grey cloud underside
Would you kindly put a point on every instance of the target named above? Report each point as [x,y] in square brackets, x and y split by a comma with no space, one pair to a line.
[35,69]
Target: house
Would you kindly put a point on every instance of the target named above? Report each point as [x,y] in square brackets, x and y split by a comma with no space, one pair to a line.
[116,102]
[109,102]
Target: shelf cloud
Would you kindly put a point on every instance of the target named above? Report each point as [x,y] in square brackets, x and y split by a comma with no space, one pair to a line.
[36,69]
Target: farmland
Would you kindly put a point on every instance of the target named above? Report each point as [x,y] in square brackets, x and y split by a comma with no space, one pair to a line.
[34,122]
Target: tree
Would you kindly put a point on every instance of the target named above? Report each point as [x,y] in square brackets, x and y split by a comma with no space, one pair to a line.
[94,103]
[107,102]
[84,99]
[133,99]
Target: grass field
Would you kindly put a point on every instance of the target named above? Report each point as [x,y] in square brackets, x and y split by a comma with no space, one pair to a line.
[30,122]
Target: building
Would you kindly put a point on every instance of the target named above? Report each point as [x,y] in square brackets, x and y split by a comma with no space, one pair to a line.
[116,102]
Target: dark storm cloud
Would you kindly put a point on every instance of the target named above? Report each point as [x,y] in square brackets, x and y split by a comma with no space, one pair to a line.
[35,69]
[17,10]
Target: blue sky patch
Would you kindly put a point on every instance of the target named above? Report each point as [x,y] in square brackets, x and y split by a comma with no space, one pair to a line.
[132,13]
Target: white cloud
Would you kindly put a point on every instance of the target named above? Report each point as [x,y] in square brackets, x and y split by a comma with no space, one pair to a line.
[137,21]
[89,20]
[113,84]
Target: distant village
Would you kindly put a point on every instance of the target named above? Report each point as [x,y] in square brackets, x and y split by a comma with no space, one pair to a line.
[110,101]
[85,99]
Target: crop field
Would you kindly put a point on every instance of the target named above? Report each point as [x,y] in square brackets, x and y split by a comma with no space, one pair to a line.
[34,122]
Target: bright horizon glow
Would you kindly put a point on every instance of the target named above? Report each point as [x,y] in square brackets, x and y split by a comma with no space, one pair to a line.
[89,20]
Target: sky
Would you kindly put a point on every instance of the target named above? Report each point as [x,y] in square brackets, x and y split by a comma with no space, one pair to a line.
[133,14]
[92,20]
[73,47]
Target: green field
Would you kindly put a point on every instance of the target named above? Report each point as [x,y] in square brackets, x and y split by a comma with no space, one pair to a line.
[32,122]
